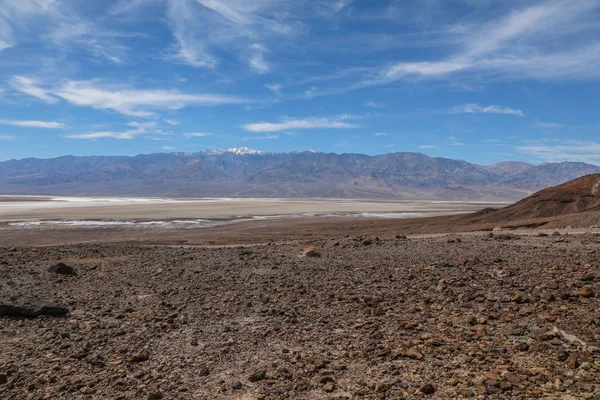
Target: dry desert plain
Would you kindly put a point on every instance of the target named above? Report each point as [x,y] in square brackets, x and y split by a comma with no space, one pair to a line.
[296,308]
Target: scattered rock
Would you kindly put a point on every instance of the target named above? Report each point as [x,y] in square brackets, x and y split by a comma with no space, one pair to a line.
[585,291]
[9,310]
[62,269]
[311,252]
[140,356]
[258,376]
[428,389]
[236,385]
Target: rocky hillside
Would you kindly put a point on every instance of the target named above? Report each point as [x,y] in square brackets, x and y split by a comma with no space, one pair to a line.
[251,173]
[577,196]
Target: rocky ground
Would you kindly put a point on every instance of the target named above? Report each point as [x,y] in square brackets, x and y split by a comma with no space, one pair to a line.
[489,317]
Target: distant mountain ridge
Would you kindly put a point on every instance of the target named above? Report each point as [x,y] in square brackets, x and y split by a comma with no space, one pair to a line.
[244,172]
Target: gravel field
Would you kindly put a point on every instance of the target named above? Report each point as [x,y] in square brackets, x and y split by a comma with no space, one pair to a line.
[489,316]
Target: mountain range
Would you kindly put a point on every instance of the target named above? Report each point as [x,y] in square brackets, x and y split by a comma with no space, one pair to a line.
[243,172]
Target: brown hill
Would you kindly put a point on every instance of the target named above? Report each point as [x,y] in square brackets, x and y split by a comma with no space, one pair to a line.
[562,202]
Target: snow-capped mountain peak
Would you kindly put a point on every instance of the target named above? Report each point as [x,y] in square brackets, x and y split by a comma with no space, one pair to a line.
[244,151]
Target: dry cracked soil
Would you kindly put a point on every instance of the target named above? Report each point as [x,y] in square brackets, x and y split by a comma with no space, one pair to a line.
[484,316]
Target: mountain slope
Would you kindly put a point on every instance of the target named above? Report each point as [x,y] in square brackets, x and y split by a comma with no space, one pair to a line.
[577,196]
[252,173]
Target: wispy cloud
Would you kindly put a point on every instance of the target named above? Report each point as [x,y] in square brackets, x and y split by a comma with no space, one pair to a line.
[58,24]
[6,137]
[29,86]
[379,134]
[491,109]
[306,123]
[136,102]
[266,137]
[274,87]
[196,134]
[339,5]
[168,147]
[257,59]
[137,129]
[428,147]
[372,104]
[33,124]
[171,122]
[202,26]
[547,126]
[570,150]
[516,46]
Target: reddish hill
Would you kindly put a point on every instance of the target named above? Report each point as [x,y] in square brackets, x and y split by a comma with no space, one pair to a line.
[577,196]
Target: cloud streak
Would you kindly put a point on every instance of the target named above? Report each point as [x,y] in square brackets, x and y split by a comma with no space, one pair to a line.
[571,150]
[137,130]
[136,102]
[33,124]
[306,123]
[474,108]
[29,86]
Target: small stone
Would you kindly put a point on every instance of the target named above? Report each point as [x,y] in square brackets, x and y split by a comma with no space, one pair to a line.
[236,385]
[258,376]
[413,354]
[556,234]
[154,394]
[585,291]
[140,356]
[62,269]
[3,378]
[203,371]
[311,252]
[428,389]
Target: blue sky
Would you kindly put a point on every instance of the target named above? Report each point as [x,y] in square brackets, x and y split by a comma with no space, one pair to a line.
[481,80]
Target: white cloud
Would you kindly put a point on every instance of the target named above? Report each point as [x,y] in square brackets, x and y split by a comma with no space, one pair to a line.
[57,23]
[202,26]
[266,137]
[309,93]
[307,123]
[137,129]
[172,122]
[372,104]
[379,134]
[257,60]
[196,134]
[6,137]
[136,102]
[274,87]
[532,42]
[168,147]
[29,86]
[570,150]
[33,124]
[427,147]
[491,109]
[547,126]
[339,5]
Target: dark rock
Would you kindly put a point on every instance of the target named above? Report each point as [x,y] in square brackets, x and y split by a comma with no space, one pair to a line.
[236,385]
[428,389]
[62,269]
[9,310]
[555,234]
[258,376]
[3,378]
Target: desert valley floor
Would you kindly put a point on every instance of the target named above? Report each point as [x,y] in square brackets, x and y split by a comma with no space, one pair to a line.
[314,307]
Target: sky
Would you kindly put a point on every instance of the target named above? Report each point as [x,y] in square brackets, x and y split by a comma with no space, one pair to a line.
[480,80]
